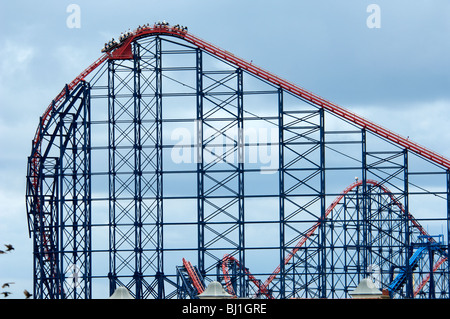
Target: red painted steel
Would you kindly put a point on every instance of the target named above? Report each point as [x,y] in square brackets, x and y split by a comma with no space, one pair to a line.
[263,289]
[427,278]
[35,161]
[319,101]
[312,230]
[123,51]
[228,258]
[193,275]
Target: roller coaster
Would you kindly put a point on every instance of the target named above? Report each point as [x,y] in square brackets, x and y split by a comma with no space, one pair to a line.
[170,163]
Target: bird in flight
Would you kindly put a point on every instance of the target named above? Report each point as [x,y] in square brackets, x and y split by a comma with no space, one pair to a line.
[6,293]
[9,247]
[27,294]
[6,284]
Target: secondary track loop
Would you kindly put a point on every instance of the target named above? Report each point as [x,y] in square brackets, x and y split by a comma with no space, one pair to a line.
[264,288]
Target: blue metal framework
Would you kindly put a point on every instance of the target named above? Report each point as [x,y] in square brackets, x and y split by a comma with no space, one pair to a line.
[59,200]
[177,153]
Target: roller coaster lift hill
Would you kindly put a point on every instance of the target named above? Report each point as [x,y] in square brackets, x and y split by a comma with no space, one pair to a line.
[106,199]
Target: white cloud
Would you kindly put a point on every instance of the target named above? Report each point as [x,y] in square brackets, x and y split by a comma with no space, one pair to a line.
[71,61]
[425,123]
[15,58]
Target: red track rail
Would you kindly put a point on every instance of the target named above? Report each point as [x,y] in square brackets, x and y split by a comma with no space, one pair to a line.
[35,162]
[228,258]
[427,278]
[263,289]
[312,230]
[193,275]
[321,102]
[123,51]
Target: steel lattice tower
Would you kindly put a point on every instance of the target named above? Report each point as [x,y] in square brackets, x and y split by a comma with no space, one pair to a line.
[169,149]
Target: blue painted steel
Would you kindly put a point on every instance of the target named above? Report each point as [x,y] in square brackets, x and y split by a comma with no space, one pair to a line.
[412,263]
[107,202]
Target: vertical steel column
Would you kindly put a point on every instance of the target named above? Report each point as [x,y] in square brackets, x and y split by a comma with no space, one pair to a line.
[358,219]
[64,186]
[159,170]
[200,169]
[281,195]
[432,286]
[61,209]
[137,171]
[240,159]
[112,275]
[323,207]
[87,198]
[364,209]
[49,219]
[408,245]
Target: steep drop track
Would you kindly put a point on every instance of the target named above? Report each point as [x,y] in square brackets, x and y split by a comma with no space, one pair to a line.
[122,51]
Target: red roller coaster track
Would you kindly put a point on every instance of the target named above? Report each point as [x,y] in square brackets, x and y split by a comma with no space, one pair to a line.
[264,288]
[123,51]
[261,287]
[196,282]
[312,230]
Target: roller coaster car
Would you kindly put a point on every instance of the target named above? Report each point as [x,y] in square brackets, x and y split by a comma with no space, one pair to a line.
[179,28]
[110,46]
[124,36]
[161,25]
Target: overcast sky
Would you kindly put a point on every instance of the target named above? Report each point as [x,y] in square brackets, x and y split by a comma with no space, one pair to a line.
[397,75]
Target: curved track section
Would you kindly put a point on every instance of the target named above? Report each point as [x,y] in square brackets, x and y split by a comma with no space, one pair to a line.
[196,282]
[228,285]
[71,107]
[123,51]
[264,288]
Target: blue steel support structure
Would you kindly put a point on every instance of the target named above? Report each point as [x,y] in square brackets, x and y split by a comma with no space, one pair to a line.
[135,170]
[200,166]
[58,199]
[172,151]
[281,191]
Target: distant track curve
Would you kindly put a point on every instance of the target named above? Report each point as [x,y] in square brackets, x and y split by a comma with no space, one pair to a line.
[264,288]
